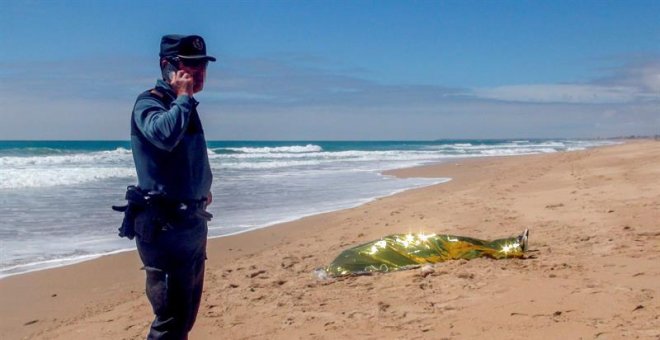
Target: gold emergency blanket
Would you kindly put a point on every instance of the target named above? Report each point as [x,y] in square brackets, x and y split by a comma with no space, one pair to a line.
[398,251]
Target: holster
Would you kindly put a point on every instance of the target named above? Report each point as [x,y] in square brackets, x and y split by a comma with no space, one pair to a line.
[136,204]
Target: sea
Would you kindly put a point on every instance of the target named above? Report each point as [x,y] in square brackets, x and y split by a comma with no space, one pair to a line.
[55,196]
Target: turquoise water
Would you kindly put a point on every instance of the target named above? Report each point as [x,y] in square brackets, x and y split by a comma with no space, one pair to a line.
[24,148]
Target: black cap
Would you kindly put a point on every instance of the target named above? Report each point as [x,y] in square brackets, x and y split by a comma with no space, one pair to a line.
[184,46]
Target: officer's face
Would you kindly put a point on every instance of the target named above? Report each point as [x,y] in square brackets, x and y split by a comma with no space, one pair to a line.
[196,69]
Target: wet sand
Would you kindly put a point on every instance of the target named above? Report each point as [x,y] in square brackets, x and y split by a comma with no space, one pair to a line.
[593,269]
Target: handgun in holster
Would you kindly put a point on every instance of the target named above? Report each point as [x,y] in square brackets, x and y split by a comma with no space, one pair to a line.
[136,204]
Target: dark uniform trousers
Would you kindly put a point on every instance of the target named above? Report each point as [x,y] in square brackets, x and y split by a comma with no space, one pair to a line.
[174,265]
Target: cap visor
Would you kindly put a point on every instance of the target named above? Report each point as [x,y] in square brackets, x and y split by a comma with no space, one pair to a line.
[206,57]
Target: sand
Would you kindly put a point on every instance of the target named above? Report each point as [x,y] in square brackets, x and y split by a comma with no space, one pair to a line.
[593,269]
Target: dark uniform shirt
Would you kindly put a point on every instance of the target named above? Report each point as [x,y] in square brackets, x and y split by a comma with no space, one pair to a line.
[169,148]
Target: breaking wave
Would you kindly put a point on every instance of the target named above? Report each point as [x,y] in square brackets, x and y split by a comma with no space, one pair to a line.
[276,149]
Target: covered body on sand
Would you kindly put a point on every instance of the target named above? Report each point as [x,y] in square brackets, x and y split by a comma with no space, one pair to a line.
[401,251]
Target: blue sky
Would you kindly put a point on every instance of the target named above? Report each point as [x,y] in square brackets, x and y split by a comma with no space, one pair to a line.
[340,69]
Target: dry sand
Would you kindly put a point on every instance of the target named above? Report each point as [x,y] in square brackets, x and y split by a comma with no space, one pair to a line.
[593,270]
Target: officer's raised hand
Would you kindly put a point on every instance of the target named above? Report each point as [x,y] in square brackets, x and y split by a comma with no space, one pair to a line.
[182,83]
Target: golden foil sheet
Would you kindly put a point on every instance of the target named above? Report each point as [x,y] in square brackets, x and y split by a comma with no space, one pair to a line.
[398,251]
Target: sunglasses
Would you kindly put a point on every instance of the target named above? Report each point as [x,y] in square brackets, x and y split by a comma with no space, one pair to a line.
[193,63]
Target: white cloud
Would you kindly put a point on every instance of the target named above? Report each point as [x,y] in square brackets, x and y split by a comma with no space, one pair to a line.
[630,83]
[643,75]
[562,93]
[279,99]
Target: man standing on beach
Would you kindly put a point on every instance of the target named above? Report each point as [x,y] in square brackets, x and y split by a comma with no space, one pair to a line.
[174,182]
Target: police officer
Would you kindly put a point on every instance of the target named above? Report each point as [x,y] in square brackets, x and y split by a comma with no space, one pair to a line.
[169,150]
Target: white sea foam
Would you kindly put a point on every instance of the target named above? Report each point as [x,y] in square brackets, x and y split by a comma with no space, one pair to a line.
[277,160]
[513,152]
[265,165]
[75,168]
[33,178]
[99,157]
[53,263]
[353,157]
[278,149]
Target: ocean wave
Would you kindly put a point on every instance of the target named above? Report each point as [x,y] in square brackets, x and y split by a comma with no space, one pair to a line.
[517,152]
[276,149]
[333,155]
[559,145]
[379,159]
[38,178]
[33,151]
[82,167]
[264,165]
[468,147]
[378,156]
[97,157]
[222,151]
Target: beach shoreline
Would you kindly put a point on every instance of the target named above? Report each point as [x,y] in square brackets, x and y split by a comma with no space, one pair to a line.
[103,298]
[91,257]
[316,177]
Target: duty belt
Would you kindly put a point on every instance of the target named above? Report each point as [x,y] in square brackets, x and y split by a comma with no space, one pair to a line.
[161,209]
